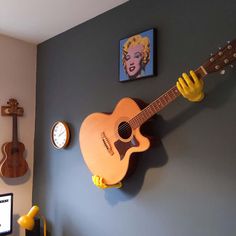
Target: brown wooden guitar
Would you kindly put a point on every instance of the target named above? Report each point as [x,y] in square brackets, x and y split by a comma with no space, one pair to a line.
[108,140]
[13,163]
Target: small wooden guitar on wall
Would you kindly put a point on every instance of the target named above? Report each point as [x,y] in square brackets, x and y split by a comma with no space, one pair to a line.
[108,140]
[13,163]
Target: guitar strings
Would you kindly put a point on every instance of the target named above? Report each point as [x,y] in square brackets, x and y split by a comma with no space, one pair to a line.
[123,128]
[175,94]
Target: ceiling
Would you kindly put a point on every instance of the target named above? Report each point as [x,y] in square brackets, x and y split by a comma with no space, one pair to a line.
[38,20]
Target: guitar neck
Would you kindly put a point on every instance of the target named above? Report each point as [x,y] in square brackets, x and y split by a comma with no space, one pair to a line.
[14,129]
[161,102]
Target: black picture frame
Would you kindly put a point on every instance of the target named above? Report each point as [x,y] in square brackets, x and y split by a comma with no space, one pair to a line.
[138,56]
[7,208]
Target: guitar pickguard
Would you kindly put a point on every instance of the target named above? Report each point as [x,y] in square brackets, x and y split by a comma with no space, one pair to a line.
[122,147]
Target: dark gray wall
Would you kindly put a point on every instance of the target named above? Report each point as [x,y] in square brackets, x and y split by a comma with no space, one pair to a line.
[184,185]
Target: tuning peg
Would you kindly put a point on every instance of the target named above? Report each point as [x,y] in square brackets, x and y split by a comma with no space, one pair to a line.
[226,60]
[232,66]
[222,72]
[219,48]
[211,54]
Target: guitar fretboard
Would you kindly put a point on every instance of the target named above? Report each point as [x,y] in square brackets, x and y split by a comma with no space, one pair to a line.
[160,103]
[14,129]
[154,107]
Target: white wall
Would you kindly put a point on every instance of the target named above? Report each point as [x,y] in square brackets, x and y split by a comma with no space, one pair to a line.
[18,80]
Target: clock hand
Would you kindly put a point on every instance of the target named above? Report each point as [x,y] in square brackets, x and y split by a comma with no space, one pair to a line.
[61,133]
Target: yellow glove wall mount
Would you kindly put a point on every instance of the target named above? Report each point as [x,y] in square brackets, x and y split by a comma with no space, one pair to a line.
[98,181]
[191,87]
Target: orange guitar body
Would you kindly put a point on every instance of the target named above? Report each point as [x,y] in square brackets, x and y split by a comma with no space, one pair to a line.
[13,163]
[105,147]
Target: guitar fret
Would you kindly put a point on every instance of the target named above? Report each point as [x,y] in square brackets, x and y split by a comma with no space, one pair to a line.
[154,109]
[146,114]
[172,94]
[133,123]
[140,118]
[176,91]
[149,111]
[169,95]
[144,117]
[163,102]
[166,98]
[158,105]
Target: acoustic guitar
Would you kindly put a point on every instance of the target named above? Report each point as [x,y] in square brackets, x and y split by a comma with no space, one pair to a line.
[108,140]
[13,163]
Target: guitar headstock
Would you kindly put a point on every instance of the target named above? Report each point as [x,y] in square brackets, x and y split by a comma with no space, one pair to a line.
[224,57]
[13,105]
[12,108]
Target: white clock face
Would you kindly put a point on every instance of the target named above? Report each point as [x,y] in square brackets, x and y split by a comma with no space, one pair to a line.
[59,135]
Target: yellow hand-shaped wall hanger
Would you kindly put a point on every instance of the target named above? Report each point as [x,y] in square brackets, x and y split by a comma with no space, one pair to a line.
[191,88]
[98,181]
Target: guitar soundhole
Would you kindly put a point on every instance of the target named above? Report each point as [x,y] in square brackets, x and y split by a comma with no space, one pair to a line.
[124,130]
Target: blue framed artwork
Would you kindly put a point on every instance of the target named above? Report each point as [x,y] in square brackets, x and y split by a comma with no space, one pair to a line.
[138,56]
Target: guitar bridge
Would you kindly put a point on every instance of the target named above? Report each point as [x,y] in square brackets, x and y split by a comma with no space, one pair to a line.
[107,144]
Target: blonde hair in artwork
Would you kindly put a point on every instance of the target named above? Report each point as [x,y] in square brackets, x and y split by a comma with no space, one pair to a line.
[133,41]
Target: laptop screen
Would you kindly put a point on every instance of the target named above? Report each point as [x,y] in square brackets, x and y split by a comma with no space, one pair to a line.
[6,211]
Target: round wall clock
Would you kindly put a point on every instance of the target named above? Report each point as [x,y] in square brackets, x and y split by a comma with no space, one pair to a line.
[60,134]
